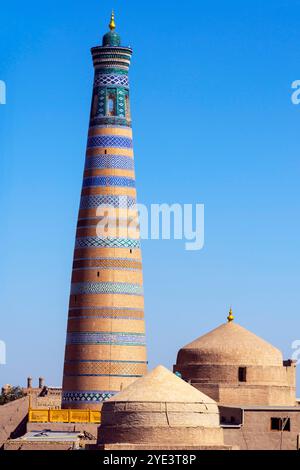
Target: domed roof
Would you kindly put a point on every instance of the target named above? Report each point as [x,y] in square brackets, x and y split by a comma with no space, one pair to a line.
[161,385]
[111,38]
[230,343]
[160,409]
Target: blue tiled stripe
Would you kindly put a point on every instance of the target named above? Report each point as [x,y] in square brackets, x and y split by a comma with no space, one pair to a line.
[97,242]
[96,200]
[109,161]
[106,288]
[108,181]
[86,396]
[113,338]
[109,141]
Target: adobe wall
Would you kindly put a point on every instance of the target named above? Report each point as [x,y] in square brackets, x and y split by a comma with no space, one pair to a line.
[208,373]
[48,401]
[11,417]
[166,437]
[51,398]
[247,394]
[160,414]
[154,423]
[65,427]
[256,434]
[157,446]
[27,445]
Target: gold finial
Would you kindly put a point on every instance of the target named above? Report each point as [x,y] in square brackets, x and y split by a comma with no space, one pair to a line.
[230,317]
[112,24]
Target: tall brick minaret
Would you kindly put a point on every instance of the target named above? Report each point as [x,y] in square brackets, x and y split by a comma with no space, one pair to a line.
[105,346]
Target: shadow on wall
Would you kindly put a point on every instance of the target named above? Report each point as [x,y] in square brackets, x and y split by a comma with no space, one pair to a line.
[13,419]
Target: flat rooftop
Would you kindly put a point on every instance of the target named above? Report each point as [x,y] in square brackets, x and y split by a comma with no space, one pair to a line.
[57,436]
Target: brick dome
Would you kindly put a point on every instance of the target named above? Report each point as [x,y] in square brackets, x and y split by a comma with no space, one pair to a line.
[160,409]
[230,343]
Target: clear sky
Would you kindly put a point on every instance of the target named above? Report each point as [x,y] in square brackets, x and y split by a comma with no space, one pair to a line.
[213,123]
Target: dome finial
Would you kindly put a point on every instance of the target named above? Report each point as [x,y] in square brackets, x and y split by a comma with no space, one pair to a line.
[230,317]
[112,24]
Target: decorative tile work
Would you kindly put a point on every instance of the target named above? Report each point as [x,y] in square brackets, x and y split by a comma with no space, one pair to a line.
[109,161]
[113,338]
[92,220]
[112,121]
[106,55]
[121,111]
[96,200]
[115,263]
[106,288]
[115,222]
[87,397]
[101,108]
[105,368]
[109,317]
[109,141]
[106,312]
[110,96]
[97,242]
[108,181]
[105,375]
[106,361]
[104,79]
[112,70]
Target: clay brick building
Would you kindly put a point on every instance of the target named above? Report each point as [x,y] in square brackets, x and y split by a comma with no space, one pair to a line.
[240,394]
[160,411]
[252,384]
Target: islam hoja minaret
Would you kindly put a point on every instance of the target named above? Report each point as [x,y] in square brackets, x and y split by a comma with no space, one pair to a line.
[105,346]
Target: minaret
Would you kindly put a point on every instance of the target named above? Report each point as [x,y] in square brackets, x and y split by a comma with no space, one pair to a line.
[105,346]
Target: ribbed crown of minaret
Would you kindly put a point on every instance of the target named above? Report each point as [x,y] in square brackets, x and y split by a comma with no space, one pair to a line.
[111,54]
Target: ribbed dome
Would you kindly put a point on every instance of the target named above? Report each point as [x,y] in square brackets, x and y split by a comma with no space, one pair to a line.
[230,343]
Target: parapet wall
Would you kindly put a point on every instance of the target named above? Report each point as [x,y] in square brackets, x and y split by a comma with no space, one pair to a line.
[13,419]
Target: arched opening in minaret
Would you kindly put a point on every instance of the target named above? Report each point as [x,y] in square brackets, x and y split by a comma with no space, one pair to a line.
[111,105]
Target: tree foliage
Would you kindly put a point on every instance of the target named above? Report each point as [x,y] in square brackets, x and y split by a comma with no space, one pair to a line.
[11,394]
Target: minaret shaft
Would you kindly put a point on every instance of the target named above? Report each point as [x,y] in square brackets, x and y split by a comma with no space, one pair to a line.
[105,346]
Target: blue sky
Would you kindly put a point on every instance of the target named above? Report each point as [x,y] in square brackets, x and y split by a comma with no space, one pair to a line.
[213,124]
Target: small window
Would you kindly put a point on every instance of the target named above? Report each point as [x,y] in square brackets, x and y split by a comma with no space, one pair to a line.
[280,424]
[111,105]
[98,274]
[130,250]
[275,424]
[75,299]
[242,374]
[105,151]
[286,424]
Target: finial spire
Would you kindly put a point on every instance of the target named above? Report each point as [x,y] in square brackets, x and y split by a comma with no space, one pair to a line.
[230,317]
[112,24]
